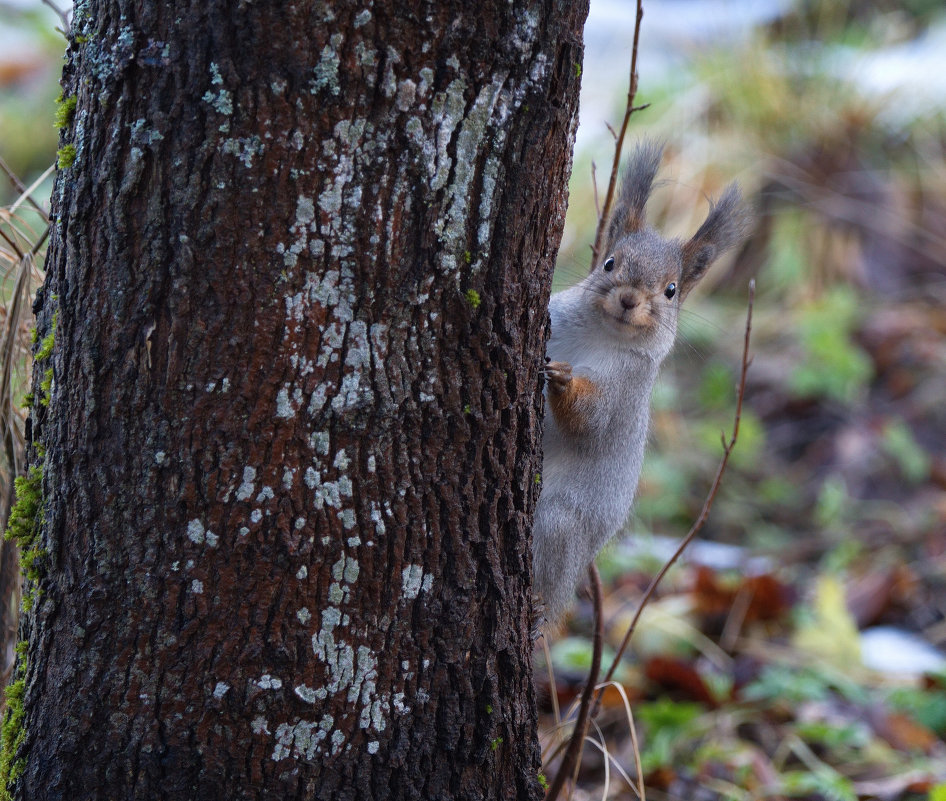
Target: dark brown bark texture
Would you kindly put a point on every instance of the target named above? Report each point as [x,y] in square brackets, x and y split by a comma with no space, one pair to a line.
[301,265]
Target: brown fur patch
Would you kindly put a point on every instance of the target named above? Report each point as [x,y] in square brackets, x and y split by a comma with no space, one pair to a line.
[570,404]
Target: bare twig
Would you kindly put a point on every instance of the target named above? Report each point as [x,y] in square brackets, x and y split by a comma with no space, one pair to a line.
[707,504]
[26,195]
[21,188]
[619,143]
[594,187]
[63,17]
[569,762]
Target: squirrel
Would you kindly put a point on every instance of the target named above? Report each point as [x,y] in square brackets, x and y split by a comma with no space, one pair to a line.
[609,335]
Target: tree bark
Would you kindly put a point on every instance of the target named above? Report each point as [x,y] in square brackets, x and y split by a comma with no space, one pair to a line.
[297,285]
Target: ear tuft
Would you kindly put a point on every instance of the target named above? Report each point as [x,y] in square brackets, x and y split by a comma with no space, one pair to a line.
[636,185]
[725,226]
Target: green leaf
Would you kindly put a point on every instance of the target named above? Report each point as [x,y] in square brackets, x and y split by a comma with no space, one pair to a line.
[910,457]
[825,782]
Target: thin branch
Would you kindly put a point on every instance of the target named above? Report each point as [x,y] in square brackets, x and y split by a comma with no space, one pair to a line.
[619,144]
[707,505]
[40,242]
[20,187]
[63,16]
[569,762]
[594,187]
[11,243]
[27,194]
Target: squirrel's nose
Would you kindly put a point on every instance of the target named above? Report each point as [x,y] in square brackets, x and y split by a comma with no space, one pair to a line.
[628,299]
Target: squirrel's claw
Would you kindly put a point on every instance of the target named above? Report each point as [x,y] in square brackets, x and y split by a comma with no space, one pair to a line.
[558,374]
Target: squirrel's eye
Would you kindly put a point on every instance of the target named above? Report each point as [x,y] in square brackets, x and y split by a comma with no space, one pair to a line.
[609,264]
[671,290]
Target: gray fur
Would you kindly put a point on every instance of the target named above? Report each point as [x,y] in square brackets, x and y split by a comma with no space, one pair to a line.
[589,482]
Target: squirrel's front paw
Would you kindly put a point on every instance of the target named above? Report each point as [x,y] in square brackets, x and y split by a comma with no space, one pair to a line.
[558,374]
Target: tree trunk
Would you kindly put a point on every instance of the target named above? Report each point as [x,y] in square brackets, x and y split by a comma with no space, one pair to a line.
[297,290]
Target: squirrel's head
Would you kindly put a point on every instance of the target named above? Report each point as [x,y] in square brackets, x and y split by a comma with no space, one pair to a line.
[641,278]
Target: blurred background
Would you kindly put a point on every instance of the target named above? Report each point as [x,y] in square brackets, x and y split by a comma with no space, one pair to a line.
[798,649]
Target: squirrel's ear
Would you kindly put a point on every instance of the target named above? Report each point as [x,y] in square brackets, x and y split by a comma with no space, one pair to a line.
[724,226]
[638,180]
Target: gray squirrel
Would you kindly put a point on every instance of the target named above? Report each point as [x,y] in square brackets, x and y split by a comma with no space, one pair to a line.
[609,335]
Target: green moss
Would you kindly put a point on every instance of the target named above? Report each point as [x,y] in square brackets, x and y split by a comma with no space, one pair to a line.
[65,111]
[467,256]
[49,341]
[26,517]
[543,782]
[494,744]
[45,350]
[12,735]
[46,386]
[27,402]
[34,335]
[577,70]
[66,156]
[29,495]
[473,298]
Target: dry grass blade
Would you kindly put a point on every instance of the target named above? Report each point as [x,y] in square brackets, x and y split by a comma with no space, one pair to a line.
[11,353]
[632,727]
[21,245]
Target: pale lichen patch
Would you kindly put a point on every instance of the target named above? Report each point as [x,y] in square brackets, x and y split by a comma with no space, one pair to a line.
[195,531]
[326,71]
[284,408]
[246,488]
[447,109]
[221,689]
[268,682]
[411,581]
[245,148]
[307,694]
[289,477]
[305,210]
[259,725]
[301,739]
